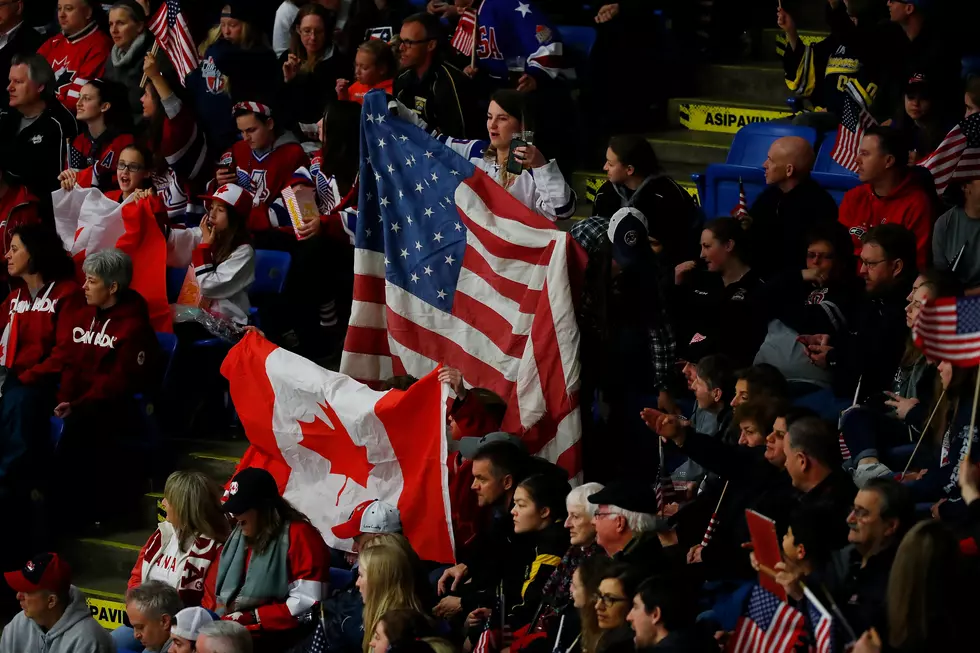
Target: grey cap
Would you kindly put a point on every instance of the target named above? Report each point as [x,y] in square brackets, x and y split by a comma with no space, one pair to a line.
[468,447]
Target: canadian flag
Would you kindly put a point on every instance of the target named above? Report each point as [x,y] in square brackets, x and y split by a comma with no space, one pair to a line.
[332,442]
[88,221]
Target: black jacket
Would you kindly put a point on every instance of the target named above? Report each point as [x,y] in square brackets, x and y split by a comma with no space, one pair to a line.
[685,641]
[306,95]
[25,40]
[871,348]
[835,495]
[489,555]
[644,552]
[712,318]
[672,216]
[36,156]
[859,592]
[443,98]
[524,579]
[780,222]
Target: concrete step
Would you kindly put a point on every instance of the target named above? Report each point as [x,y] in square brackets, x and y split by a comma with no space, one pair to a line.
[690,148]
[774,42]
[109,556]
[719,114]
[760,82]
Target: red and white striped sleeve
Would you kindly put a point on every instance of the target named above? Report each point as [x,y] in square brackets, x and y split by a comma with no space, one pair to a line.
[308,565]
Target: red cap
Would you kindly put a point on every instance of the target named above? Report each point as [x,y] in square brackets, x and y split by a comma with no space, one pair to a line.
[46,571]
[239,199]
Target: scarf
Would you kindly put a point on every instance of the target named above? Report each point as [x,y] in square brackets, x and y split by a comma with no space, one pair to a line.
[132,55]
[265,578]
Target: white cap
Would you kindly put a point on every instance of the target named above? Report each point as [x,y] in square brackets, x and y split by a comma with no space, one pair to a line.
[373,516]
[189,623]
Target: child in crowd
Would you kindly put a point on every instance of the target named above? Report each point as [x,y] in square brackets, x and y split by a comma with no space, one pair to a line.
[712,387]
[374,67]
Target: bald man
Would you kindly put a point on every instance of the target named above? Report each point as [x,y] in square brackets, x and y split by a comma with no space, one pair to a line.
[791,205]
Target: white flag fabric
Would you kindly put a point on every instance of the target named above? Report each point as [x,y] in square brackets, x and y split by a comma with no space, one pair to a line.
[332,442]
[87,220]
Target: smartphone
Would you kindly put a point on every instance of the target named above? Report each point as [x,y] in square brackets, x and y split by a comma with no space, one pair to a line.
[514,165]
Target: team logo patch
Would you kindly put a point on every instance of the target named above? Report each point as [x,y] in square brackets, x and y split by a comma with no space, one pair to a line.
[212,77]
[630,237]
[817,296]
[739,295]
[857,231]
[141,358]
[36,140]
[233,488]
[30,565]
[543,34]
[420,105]
[697,338]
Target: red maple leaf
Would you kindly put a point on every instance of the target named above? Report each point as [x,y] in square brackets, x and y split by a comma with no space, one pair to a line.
[335,444]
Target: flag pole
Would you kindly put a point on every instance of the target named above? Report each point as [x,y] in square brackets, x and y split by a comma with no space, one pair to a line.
[973,415]
[153,51]
[835,609]
[476,37]
[714,518]
[926,428]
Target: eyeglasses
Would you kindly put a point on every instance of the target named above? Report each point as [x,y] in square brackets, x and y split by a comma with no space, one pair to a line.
[605,514]
[608,600]
[129,167]
[870,264]
[409,42]
[312,31]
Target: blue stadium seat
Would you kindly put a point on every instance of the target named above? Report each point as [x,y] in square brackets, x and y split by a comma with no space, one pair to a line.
[168,345]
[836,185]
[720,194]
[751,144]
[271,269]
[825,162]
[57,430]
[578,40]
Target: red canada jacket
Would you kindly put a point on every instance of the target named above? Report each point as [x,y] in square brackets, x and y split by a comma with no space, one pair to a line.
[908,205]
[31,348]
[109,353]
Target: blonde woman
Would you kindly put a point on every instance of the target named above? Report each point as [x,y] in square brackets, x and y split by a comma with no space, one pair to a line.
[386,580]
[182,550]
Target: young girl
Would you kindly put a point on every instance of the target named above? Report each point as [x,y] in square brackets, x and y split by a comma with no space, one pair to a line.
[374,67]
[94,153]
[219,249]
[173,134]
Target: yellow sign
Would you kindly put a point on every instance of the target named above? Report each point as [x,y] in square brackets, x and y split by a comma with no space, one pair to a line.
[725,119]
[109,614]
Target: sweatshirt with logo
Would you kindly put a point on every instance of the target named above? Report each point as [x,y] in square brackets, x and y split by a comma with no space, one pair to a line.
[909,205]
[29,322]
[109,353]
[76,60]
[76,632]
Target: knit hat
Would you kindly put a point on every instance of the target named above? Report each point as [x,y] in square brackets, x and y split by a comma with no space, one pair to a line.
[189,622]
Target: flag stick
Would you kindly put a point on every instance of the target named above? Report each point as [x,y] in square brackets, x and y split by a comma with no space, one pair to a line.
[714,515]
[153,51]
[857,391]
[923,434]
[476,37]
[973,416]
[835,610]
[959,255]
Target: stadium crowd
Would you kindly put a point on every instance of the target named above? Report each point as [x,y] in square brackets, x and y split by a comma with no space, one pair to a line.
[764,362]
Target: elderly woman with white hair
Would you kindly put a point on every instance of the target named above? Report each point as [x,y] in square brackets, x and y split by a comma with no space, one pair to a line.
[109,354]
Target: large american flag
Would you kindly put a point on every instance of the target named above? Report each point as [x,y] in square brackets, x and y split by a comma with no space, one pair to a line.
[949,329]
[450,268]
[771,626]
[854,121]
[958,156]
[171,32]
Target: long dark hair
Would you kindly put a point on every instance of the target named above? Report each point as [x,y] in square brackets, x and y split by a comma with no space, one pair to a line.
[230,239]
[548,490]
[48,256]
[147,157]
[296,48]
[275,515]
[341,143]
[117,118]
[152,133]
[728,229]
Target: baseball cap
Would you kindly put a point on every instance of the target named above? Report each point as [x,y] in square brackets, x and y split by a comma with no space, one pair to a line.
[372,516]
[468,447]
[251,488]
[628,495]
[918,85]
[190,621]
[628,231]
[239,199]
[45,571]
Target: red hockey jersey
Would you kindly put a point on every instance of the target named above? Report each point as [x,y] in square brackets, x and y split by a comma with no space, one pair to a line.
[109,354]
[99,157]
[31,348]
[183,146]
[266,176]
[76,60]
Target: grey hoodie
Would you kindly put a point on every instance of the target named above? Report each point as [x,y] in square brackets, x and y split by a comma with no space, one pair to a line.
[75,632]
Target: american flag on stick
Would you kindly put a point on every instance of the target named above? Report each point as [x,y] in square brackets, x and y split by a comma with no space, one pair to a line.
[465,34]
[958,156]
[821,621]
[665,485]
[741,210]
[854,121]
[949,329]
[171,32]
[713,522]
[769,626]
[450,268]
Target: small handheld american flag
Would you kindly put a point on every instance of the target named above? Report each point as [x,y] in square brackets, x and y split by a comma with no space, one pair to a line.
[665,485]
[768,626]
[75,159]
[174,36]
[949,329]
[958,156]
[464,36]
[713,522]
[854,121]
[741,211]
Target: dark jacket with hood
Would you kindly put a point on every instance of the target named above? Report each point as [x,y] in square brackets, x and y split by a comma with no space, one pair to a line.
[539,554]
[673,218]
[781,221]
[442,99]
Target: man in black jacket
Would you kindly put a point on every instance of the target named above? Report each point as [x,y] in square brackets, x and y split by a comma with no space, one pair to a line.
[870,350]
[437,91]
[789,207]
[35,130]
[16,37]
[626,522]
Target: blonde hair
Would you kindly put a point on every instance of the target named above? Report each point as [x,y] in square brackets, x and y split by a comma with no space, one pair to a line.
[440,645]
[391,585]
[195,507]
